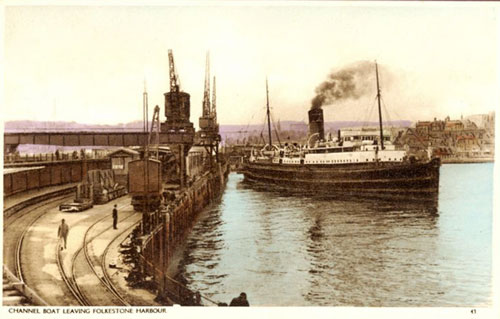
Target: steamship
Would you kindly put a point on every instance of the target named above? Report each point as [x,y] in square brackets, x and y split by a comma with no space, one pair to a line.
[369,168]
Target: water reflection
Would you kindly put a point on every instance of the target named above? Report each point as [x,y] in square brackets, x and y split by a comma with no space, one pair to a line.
[288,248]
[376,204]
[206,240]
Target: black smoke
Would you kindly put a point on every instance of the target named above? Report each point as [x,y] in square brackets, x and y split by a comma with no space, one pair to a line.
[351,82]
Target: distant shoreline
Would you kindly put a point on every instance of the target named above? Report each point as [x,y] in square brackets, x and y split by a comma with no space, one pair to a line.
[467,160]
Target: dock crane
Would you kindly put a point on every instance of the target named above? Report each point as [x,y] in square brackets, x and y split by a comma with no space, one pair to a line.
[174,78]
[154,133]
[206,91]
[177,125]
[209,137]
[174,85]
[177,104]
[213,112]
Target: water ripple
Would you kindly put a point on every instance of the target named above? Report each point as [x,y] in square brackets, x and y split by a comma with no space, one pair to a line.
[291,248]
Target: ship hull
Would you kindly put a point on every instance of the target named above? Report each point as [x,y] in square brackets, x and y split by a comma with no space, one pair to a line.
[413,181]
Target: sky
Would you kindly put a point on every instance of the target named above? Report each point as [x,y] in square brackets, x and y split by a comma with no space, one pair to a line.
[88,63]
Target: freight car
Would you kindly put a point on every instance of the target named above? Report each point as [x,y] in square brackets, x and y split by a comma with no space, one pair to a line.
[76,206]
[18,178]
[145,184]
[169,162]
[98,187]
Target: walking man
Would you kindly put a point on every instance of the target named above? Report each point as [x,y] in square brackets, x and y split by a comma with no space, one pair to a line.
[62,232]
[115,217]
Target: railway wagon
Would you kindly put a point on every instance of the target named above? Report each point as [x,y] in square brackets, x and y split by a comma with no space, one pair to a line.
[169,162]
[25,177]
[145,184]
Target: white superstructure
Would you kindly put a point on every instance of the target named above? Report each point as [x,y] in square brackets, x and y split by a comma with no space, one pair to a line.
[331,153]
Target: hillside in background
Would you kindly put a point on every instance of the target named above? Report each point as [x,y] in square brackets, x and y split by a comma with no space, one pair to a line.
[30,126]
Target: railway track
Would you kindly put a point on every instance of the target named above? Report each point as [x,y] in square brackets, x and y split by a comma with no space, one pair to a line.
[71,279]
[16,226]
[27,209]
[36,200]
[109,284]
[19,245]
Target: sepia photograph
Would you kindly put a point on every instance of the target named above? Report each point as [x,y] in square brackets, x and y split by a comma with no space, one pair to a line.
[303,158]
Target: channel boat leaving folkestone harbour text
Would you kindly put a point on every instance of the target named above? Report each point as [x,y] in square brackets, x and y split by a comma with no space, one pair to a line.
[359,168]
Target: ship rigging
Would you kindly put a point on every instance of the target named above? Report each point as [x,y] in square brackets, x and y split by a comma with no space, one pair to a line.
[348,166]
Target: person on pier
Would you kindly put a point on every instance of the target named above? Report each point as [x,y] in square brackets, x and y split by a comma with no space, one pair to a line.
[115,217]
[62,233]
[240,301]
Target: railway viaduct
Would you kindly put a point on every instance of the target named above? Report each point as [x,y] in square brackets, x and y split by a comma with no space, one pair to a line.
[89,139]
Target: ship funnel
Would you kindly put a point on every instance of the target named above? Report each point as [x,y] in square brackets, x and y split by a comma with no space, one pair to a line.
[316,123]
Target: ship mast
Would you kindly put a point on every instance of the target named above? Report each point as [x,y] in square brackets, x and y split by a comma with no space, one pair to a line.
[145,108]
[379,110]
[268,118]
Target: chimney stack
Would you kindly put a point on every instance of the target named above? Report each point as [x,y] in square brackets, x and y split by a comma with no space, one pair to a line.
[316,123]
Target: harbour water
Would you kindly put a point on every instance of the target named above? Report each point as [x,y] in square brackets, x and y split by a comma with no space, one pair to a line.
[293,249]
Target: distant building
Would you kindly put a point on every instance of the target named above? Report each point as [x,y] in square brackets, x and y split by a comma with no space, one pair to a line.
[486,121]
[119,163]
[364,134]
[489,122]
[370,134]
[450,139]
[454,125]
[415,143]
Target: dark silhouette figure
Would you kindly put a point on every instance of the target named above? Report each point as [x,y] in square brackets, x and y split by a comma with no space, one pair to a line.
[240,301]
[115,217]
[62,232]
